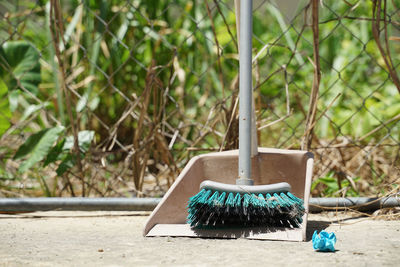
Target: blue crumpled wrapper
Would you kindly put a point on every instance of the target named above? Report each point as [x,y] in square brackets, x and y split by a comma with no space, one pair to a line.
[324,241]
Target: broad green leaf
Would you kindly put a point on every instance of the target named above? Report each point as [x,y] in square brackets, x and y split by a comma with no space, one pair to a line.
[55,153]
[82,102]
[32,109]
[84,140]
[37,147]
[19,65]
[94,103]
[66,164]
[29,144]
[5,113]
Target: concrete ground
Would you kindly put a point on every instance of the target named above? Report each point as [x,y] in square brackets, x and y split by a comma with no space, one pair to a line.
[115,239]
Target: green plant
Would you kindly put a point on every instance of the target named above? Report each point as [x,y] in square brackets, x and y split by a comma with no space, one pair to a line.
[20,76]
[333,187]
[41,147]
[5,113]
[19,66]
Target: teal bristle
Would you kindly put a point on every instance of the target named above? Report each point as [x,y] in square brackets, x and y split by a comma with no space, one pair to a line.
[270,201]
[230,200]
[254,201]
[213,199]
[194,199]
[221,199]
[287,200]
[213,208]
[238,200]
[281,202]
[246,200]
[298,200]
[262,200]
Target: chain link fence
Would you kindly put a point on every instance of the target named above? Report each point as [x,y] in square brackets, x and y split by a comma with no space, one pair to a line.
[112,98]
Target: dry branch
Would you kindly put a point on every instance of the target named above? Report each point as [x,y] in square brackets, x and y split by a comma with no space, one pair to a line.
[312,107]
[57,33]
[376,30]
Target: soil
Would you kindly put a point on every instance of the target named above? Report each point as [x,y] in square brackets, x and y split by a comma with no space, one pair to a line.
[60,238]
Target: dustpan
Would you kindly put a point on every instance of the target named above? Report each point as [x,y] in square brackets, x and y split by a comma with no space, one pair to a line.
[268,166]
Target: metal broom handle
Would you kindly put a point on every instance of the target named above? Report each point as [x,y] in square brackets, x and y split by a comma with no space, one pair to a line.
[245,92]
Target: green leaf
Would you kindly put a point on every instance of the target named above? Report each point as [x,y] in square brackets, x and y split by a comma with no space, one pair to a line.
[84,140]
[5,113]
[13,98]
[19,65]
[37,147]
[32,109]
[82,102]
[55,153]
[68,162]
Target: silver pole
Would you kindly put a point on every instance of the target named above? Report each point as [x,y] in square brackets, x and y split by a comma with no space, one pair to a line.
[245,92]
[77,203]
[148,204]
[359,203]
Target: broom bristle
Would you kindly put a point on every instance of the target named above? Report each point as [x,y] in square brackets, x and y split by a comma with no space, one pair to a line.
[217,209]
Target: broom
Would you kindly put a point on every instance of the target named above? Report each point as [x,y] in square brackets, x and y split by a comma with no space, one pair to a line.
[245,204]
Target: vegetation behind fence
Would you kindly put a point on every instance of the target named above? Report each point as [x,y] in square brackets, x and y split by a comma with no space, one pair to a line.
[112,98]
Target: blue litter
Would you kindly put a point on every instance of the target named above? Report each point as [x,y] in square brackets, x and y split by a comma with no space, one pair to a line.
[324,241]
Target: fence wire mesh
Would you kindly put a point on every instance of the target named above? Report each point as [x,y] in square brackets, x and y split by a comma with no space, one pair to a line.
[112,98]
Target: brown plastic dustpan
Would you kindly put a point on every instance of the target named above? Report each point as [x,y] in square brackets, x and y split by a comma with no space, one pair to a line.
[269,166]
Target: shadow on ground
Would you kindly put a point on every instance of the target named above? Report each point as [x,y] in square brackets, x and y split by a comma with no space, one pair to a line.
[315,225]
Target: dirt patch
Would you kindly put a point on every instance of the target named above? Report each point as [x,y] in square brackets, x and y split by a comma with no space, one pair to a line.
[115,239]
